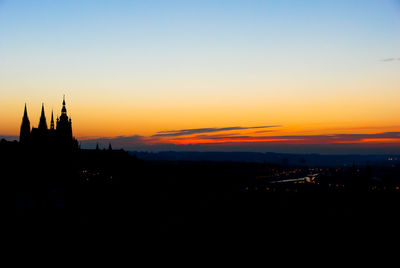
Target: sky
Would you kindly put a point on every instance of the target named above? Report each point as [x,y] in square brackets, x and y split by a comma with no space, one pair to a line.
[285,76]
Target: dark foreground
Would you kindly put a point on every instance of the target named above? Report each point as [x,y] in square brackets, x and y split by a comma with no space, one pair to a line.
[113,194]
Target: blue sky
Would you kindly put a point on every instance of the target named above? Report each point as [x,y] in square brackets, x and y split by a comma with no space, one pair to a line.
[153,33]
[142,67]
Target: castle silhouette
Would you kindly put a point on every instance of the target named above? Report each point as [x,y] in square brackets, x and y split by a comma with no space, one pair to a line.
[59,135]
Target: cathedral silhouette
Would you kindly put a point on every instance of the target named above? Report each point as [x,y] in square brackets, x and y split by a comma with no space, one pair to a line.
[59,135]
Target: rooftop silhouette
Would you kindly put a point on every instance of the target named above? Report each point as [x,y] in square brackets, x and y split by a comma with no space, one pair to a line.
[58,136]
[58,184]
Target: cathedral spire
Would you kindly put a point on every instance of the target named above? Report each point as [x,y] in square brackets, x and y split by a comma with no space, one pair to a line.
[63,109]
[52,121]
[64,125]
[25,130]
[25,112]
[42,121]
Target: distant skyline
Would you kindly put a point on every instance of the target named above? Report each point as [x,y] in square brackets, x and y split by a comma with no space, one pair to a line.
[287,76]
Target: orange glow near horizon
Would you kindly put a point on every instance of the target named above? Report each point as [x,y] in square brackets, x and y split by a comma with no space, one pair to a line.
[381,141]
[275,138]
[110,122]
[226,140]
[326,73]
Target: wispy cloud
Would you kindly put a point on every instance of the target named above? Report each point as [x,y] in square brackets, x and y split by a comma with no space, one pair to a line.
[183,132]
[263,131]
[393,137]
[206,139]
[390,59]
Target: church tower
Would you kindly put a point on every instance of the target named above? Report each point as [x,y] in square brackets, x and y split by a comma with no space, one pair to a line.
[52,122]
[64,125]
[25,130]
[42,122]
[58,136]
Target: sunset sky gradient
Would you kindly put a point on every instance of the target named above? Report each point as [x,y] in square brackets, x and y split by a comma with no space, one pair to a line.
[292,76]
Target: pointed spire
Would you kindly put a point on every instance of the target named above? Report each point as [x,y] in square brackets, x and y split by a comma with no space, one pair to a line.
[25,112]
[64,109]
[42,121]
[25,127]
[52,121]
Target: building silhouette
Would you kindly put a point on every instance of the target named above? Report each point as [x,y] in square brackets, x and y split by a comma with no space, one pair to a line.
[59,135]
[25,128]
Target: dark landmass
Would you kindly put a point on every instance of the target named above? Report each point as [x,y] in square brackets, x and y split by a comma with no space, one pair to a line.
[112,192]
[313,160]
